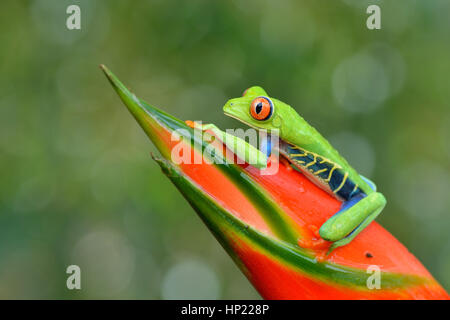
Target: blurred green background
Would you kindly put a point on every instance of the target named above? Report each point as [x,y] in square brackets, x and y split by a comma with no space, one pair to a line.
[78,185]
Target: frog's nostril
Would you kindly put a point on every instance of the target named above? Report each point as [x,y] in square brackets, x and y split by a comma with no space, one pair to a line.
[231,104]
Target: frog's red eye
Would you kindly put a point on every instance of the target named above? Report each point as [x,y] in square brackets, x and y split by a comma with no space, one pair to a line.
[261,108]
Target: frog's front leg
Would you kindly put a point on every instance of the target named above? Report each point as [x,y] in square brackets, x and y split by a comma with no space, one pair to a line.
[356,214]
[240,147]
[204,127]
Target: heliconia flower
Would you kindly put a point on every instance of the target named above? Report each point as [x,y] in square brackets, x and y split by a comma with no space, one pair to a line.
[268,223]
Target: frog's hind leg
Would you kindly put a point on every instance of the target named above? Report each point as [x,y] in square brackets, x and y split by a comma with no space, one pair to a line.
[356,231]
[356,214]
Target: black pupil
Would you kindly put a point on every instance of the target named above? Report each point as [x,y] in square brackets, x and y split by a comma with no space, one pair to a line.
[258,107]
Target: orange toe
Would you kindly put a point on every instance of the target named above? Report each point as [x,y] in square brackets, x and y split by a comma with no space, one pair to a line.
[190,123]
[315,230]
[286,163]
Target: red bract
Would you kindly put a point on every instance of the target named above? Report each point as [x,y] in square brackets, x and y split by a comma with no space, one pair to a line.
[267,223]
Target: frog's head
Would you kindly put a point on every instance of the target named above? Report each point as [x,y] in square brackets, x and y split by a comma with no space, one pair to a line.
[256,109]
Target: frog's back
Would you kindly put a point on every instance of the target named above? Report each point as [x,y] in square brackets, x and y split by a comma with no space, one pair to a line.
[334,172]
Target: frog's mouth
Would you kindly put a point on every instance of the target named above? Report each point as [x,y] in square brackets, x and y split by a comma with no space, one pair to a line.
[240,120]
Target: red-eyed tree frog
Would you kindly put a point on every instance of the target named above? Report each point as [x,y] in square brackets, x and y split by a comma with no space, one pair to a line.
[309,152]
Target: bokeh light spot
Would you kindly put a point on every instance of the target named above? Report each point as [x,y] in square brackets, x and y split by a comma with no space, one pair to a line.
[107,262]
[357,150]
[360,83]
[190,279]
[422,190]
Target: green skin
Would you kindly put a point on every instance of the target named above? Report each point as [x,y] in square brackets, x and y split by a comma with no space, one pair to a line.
[241,148]
[290,127]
